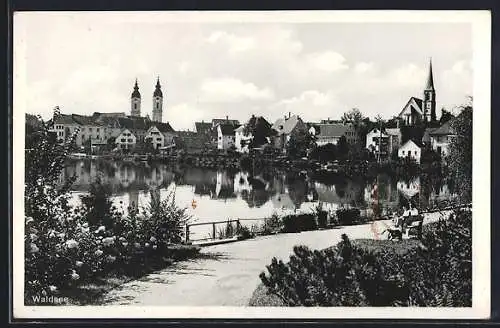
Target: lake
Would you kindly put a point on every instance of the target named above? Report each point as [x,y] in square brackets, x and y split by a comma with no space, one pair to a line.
[220,194]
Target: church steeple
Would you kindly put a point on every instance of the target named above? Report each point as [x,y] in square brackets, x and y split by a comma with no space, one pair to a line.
[429,105]
[157,102]
[135,101]
[430,78]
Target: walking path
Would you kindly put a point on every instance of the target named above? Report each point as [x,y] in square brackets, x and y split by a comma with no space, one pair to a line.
[227,274]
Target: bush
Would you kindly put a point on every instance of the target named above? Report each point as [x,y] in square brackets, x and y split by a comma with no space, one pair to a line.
[299,222]
[272,225]
[348,216]
[436,272]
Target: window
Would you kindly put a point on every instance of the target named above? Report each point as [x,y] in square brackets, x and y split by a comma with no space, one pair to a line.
[130,140]
[135,106]
[403,152]
[122,139]
[220,138]
[157,105]
[90,129]
[97,130]
[158,139]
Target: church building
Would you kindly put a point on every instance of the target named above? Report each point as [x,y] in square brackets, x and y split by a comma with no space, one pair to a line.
[421,110]
[135,102]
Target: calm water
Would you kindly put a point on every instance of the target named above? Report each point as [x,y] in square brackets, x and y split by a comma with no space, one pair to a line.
[211,194]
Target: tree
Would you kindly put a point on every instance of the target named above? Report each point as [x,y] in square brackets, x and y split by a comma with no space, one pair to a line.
[342,147]
[300,144]
[460,152]
[353,116]
[445,116]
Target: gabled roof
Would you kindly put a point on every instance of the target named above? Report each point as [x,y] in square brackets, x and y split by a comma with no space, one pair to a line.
[164,127]
[134,123]
[410,141]
[331,130]
[444,129]
[417,101]
[65,119]
[240,129]
[217,121]
[227,129]
[85,120]
[203,127]
[286,125]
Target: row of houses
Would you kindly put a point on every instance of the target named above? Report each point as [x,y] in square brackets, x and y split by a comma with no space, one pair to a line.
[385,142]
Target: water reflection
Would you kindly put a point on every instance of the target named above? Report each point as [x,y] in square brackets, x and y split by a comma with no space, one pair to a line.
[240,194]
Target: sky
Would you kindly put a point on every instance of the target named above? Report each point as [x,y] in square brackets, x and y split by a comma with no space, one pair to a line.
[87,63]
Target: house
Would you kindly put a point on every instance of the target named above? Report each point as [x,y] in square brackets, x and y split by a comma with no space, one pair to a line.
[126,140]
[286,128]
[328,133]
[217,121]
[88,130]
[409,189]
[242,139]
[225,136]
[160,135]
[441,138]
[376,137]
[410,149]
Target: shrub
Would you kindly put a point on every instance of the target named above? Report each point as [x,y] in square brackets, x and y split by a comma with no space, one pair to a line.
[299,222]
[272,225]
[437,272]
[344,275]
[348,216]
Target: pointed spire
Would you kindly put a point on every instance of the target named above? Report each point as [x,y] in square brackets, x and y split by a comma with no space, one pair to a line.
[136,93]
[158,92]
[430,78]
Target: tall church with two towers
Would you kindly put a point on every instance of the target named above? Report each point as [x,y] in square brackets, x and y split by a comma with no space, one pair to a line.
[135,102]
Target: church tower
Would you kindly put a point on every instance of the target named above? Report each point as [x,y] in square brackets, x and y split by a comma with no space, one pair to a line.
[157,102]
[135,101]
[429,106]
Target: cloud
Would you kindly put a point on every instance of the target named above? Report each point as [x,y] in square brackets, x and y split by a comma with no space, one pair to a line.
[408,75]
[329,61]
[310,103]
[185,114]
[234,43]
[231,90]
[364,67]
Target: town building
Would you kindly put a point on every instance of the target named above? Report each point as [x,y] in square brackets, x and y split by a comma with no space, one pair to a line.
[441,138]
[410,150]
[328,133]
[135,103]
[160,135]
[242,139]
[126,140]
[377,142]
[225,136]
[286,128]
[421,110]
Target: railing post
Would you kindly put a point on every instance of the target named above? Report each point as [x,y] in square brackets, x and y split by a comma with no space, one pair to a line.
[213,230]
[187,233]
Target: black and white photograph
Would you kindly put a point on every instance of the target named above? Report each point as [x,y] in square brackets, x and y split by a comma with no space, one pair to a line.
[251,164]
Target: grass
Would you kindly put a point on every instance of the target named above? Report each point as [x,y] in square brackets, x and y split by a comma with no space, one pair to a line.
[260,296]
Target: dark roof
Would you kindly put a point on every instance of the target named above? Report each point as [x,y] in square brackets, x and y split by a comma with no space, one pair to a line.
[85,120]
[227,129]
[217,121]
[426,137]
[444,129]
[203,127]
[64,119]
[163,127]
[134,123]
[331,130]
[158,92]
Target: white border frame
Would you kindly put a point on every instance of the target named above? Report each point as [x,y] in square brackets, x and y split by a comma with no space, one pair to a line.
[481,31]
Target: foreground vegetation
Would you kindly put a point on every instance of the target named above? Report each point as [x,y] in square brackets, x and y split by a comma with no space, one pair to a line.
[436,271]
[69,247]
